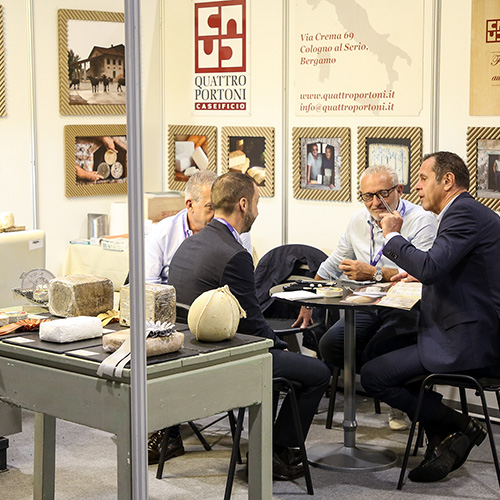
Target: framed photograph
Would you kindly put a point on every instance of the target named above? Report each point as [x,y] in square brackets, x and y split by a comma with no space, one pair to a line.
[91,68]
[190,148]
[398,147]
[322,163]
[250,150]
[483,162]
[96,160]
[3,96]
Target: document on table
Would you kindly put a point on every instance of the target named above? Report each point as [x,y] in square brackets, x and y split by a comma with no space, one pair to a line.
[402,295]
[295,295]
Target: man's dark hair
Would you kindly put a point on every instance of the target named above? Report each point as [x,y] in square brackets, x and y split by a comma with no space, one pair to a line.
[444,162]
[228,190]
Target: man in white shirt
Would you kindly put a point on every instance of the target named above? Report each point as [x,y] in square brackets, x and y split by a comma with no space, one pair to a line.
[165,237]
[359,257]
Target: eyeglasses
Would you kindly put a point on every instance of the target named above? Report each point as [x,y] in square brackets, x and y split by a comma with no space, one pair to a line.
[384,193]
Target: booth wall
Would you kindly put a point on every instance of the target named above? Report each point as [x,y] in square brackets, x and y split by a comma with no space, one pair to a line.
[167,46]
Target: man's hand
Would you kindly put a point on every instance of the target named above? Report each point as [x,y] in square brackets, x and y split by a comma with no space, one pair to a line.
[357,270]
[304,319]
[391,223]
[404,276]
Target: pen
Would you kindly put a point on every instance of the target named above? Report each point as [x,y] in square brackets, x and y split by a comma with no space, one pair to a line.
[387,207]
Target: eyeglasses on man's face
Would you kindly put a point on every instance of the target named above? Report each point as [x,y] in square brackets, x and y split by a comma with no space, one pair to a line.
[384,193]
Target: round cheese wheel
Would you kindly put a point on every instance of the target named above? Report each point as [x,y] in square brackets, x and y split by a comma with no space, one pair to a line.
[215,315]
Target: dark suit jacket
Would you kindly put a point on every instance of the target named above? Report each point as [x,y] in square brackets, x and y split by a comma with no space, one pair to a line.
[460,307]
[213,258]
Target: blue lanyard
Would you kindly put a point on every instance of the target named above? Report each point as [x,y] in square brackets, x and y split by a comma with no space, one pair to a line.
[374,259]
[231,228]
[187,231]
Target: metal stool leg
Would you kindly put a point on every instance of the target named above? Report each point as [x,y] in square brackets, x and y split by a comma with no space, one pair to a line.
[234,454]
[333,394]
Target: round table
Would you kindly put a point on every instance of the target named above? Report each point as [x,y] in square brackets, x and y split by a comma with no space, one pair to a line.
[347,455]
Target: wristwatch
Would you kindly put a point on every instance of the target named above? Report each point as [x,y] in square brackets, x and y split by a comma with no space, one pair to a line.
[379,275]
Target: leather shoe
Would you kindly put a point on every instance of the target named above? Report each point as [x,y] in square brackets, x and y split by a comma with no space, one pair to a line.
[284,472]
[440,461]
[175,447]
[476,433]
[291,456]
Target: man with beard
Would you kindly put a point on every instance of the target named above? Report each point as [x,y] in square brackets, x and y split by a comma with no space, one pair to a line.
[214,257]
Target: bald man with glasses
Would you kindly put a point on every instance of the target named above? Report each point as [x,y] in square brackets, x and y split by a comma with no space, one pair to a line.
[359,257]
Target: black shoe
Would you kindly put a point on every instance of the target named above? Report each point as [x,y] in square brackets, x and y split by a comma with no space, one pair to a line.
[476,434]
[175,448]
[284,472]
[291,456]
[441,460]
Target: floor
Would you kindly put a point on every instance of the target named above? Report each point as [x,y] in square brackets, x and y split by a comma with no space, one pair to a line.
[86,467]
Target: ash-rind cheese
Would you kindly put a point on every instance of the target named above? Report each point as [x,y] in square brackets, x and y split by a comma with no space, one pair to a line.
[160,303]
[80,295]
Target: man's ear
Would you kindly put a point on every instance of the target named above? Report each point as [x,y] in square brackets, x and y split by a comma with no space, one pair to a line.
[189,203]
[448,180]
[243,204]
[399,189]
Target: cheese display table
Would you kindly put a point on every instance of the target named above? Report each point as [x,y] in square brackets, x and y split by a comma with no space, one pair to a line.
[200,380]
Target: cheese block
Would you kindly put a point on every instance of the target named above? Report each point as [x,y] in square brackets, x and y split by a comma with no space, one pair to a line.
[6,220]
[154,346]
[71,329]
[6,318]
[238,161]
[200,158]
[160,303]
[80,295]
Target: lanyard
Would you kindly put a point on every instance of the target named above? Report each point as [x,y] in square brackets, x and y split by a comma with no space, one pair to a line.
[187,231]
[375,258]
[231,228]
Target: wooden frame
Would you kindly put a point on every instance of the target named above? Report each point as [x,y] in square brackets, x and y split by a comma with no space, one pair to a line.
[181,157]
[82,99]
[322,185]
[85,149]
[252,151]
[3,96]
[400,147]
[483,152]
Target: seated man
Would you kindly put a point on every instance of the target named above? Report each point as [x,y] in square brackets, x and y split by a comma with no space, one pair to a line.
[215,257]
[459,328]
[359,256]
[161,243]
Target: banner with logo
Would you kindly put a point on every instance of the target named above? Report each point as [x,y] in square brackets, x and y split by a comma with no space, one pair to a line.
[221,81]
[485,58]
[357,57]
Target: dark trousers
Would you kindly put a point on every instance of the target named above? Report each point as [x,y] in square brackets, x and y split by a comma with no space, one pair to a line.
[314,376]
[377,332]
[385,377]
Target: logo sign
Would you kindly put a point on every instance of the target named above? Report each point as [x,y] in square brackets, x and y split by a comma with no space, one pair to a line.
[492,30]
[221,81]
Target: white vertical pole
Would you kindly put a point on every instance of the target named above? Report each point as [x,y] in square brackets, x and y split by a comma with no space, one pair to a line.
[436,61]
[136,241]
[285,123]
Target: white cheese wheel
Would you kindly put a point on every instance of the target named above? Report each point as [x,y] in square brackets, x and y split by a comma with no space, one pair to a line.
[215,315]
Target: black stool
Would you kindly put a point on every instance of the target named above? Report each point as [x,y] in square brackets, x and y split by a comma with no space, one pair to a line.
[462,382]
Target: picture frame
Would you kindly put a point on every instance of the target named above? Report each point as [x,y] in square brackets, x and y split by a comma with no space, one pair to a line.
[483,161]
[3,94]
[321,163]
[91,82]
[95,166]
[190,147]
[250,150]
[399,147]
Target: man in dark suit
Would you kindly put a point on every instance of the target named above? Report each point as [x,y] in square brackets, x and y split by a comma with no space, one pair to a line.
[214,257]
[459,329]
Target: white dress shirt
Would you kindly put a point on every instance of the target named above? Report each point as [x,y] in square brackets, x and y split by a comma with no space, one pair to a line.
[364,239]
[163,241]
